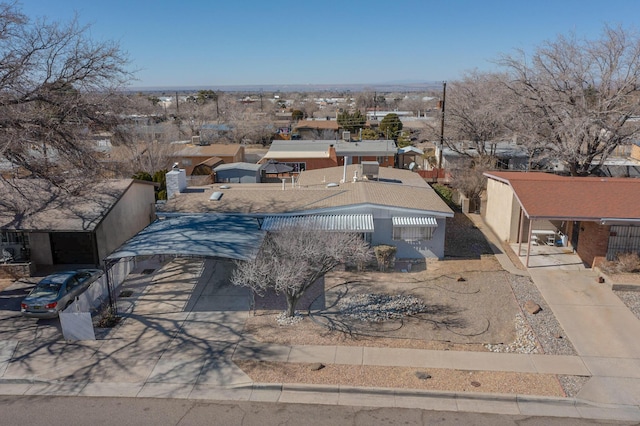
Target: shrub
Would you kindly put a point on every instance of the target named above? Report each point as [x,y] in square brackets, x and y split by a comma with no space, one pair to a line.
[625,263]
[385,255]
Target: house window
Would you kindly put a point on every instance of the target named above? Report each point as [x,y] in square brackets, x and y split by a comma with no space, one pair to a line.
[380,160]
[186,161]
[11,237]
[413,228]
[297,167]
[413,233]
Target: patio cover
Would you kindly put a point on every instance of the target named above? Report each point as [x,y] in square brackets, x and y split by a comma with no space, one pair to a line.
[205,235]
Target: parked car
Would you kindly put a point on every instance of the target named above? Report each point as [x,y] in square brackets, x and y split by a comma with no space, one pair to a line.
[57,291]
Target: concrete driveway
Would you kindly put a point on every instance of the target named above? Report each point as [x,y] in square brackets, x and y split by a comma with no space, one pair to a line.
[180,329]
[603,331]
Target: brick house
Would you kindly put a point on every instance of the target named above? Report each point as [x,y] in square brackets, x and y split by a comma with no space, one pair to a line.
[597,217]
[321,154]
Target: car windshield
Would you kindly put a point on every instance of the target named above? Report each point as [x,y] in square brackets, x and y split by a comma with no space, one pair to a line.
[46,288]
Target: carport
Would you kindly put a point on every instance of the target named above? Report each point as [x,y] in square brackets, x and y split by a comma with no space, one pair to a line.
[207,236]
[204,235]
[595,217]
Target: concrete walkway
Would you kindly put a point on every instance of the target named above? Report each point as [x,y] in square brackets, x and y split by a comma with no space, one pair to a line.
[603,331]
[179,340]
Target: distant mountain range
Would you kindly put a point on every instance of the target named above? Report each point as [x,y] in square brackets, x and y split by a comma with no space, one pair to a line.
[396,86]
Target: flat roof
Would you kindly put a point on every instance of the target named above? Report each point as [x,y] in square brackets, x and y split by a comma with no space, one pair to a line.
[204,235]
[395,189]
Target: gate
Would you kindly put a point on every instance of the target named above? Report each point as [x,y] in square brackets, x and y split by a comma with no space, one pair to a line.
[623,239]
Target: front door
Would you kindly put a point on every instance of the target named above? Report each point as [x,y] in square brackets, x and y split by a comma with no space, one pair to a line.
[575,232]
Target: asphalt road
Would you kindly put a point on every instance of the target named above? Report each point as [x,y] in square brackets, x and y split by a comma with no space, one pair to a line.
[71,411]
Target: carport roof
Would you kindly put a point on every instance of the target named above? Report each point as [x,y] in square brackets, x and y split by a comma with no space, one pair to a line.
[544,195]
[204,235]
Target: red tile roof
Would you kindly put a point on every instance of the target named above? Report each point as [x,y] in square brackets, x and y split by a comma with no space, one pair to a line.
[544,195]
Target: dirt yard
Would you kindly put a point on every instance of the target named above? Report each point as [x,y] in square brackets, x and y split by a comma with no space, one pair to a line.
[469,303]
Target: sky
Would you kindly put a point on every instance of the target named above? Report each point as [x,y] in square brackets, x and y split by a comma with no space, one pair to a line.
[277,42]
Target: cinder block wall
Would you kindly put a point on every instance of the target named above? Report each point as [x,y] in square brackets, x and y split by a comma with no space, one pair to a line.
[592,241]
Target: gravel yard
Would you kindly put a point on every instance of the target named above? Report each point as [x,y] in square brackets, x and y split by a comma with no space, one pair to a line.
[403,377]
[466,302]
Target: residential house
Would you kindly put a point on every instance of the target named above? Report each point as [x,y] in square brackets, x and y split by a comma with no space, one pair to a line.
[188,156]
[238,173]
[72,222]
[319,154]
[507,156]
[597,217]
[397,207]
[312,129]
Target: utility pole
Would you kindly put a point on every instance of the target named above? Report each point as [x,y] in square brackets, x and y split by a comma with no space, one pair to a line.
[444,96]
[177,104]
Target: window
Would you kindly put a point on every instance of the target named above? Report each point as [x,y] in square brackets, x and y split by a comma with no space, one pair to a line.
[413,228]
[11,237]
[412,233]
[297,167]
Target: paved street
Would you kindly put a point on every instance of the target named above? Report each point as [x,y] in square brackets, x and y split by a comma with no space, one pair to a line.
[72,411]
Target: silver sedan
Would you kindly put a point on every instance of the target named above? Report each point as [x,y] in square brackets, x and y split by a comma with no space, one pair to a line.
[57,291]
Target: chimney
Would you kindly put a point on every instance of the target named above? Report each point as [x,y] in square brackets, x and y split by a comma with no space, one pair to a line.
[176,182]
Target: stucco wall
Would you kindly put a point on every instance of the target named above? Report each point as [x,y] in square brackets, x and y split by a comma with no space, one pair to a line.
[502,210]
[129,216]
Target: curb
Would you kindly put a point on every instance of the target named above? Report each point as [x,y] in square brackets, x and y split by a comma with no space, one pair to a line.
[300,393]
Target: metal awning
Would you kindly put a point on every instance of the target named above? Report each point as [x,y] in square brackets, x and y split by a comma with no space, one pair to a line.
[205,235]
[345,223]
[426,221]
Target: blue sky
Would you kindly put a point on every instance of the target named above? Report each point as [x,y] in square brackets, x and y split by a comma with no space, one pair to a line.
[237,42]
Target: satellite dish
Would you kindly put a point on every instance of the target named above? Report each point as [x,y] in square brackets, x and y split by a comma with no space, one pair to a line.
[412,165]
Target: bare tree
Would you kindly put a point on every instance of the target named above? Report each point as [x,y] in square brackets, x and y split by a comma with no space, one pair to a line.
[578,96]
[476,113]
[56,85]
[291,260]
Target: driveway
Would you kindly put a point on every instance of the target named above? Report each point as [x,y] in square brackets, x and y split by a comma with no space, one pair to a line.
[179,330]
[602,329]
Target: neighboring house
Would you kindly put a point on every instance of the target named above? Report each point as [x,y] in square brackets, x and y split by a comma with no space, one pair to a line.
[310,129]
[188,156]
[303,155]
[410,157]
[320,154]
[398,208]
[597,217]
[508,156]
[238,173]
[81,224]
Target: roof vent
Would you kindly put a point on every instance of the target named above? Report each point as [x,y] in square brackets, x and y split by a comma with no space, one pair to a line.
[215,196]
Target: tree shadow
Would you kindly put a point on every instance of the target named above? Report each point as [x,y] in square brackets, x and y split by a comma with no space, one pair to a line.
[463,239]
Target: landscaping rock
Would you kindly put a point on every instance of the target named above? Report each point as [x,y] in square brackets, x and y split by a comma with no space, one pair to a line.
[532,307]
